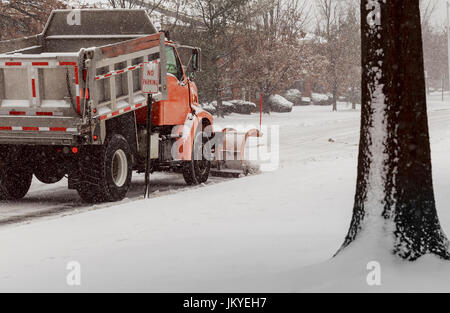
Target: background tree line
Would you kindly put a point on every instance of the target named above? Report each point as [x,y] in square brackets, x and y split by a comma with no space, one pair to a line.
[259,47]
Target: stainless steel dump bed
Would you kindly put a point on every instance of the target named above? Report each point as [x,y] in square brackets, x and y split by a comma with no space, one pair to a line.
[59,87]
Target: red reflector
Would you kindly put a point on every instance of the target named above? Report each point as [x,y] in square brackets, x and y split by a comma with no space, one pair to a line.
[75,150]
[67,63]
[44,113]
[39,63]
[13,63]
[30,128]
[33,86]
[16,113]
[57,129]
[76,75]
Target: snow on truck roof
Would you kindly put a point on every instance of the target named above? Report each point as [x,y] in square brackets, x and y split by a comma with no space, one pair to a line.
[98,22]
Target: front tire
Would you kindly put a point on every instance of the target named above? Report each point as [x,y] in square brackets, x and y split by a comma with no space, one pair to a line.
[197,170]
[106,171]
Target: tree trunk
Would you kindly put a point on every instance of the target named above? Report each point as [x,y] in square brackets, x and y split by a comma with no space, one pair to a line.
[266,104]
[335,100]
[394,186]
[219,108]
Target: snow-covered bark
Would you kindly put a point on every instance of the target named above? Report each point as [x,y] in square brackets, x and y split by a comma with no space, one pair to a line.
[394,203]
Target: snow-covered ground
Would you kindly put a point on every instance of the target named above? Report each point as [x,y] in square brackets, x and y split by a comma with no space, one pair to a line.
[276,231]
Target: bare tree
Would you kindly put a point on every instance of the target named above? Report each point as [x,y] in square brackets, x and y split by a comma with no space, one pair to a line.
[25,17]
[150,5]
[436,58]
[217,36]
[273,56]
[330,14]
[394,197]
[427,9]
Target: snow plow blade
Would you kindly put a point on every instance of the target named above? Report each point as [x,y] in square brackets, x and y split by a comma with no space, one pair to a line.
[232,155]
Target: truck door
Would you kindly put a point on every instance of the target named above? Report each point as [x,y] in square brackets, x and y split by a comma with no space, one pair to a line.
[177,107]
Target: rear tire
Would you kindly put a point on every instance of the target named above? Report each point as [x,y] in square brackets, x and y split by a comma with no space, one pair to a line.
[106,171]
[15,182]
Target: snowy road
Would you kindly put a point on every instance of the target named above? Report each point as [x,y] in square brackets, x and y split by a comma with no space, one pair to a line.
[251,234]
[56,200]
[305,136]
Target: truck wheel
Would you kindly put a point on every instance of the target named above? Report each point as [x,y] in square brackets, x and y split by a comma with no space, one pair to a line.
[106,174]
[15,182]
[197,170]
[49,174]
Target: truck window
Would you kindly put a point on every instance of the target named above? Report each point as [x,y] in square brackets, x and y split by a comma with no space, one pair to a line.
[173,64]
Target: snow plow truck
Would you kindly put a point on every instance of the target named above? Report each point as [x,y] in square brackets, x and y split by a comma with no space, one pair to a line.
[73,104]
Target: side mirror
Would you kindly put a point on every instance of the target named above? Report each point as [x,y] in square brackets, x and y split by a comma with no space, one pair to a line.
[196,60]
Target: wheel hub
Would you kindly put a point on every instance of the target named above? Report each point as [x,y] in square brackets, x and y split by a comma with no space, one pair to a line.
[120,168]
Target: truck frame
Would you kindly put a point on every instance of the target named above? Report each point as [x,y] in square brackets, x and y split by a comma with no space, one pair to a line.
[71,105]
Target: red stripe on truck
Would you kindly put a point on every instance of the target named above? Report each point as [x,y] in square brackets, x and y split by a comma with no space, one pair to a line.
[33,86]
[17,113]
[76,75]
[13,63]
[44,113]
[39,63]
[67,63]
[58,129]
[78,104]
[30,128]
[5,128]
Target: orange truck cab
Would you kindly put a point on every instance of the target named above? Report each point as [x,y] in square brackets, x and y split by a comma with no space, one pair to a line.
[182,94]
